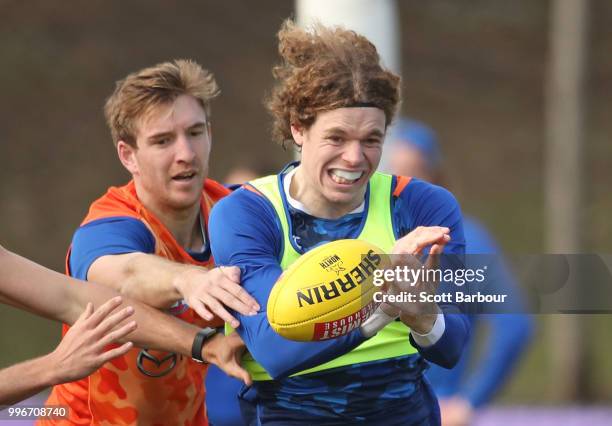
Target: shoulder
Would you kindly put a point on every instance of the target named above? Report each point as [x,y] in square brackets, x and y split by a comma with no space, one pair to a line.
[244,200]
[243,210]
[117,201]
[115,230]
[114,222]
[419,195]
[244,223]
[421,203]
[108,236]
[114,216]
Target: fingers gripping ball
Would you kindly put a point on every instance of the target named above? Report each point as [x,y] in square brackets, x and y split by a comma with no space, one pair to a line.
[327,292]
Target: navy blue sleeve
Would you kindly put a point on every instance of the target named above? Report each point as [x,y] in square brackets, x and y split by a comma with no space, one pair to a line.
[447,351]
[447,382]
[244,232]
[424,204]
[116,235]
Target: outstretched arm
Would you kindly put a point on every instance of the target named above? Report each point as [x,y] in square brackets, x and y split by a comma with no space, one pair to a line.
[80,352]
[160,283]
[119,253]
[37,289]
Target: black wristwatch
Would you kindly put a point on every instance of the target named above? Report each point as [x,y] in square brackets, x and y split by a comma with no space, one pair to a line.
[202,336]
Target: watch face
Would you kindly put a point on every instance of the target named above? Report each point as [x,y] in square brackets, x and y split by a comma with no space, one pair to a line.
[208,332]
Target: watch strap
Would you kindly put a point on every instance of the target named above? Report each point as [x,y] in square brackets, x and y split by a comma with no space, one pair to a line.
[198,342]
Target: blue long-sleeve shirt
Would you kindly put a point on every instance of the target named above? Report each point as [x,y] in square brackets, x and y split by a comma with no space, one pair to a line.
[245,232]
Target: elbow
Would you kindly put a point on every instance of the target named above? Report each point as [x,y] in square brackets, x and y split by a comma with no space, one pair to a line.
[128,287]
[158,301]
[128,273]
[275,360]
[132,286]
[277,370]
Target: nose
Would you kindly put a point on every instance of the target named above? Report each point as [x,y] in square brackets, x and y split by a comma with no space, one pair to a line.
[184,149]
[353,153]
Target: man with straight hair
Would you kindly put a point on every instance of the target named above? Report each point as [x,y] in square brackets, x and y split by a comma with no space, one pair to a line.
[149,240]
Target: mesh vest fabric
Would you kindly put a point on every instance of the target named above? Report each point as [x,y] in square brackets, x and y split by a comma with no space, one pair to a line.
[392,341]
[119,393]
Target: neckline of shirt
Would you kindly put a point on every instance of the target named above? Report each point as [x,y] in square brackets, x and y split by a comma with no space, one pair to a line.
[298,205]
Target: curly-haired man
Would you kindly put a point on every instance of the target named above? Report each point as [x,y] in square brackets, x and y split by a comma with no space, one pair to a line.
[335,101]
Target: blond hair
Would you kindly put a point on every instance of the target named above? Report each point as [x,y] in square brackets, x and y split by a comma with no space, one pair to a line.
[137,94]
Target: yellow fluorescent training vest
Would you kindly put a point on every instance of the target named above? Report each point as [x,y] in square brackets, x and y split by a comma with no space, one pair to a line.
[390,342]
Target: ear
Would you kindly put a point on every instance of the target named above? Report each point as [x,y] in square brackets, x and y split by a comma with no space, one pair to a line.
[298,134]
[127,156]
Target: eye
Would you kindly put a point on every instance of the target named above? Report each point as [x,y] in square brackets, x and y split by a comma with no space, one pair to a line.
[196,132]
[335,138]
[162,141]
[373,141]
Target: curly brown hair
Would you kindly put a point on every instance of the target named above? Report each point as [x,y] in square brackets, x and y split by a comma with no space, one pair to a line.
[137,94]
[325,68]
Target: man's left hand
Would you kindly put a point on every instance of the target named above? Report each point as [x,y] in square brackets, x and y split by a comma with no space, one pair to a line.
[226,352]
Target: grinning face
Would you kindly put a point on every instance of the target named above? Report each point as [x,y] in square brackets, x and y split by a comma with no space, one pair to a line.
[170,161]
[340,152]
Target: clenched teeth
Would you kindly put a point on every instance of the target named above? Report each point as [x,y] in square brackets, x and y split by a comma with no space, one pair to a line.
[344,176]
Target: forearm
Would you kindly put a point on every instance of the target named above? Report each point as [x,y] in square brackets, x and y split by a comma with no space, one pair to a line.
[27,285]
[148,278]
[42,291]
[281,357]
[156,330]
[160,331]
[26,379]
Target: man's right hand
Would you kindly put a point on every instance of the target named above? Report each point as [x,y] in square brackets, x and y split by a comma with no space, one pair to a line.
[209,292]
[419,316]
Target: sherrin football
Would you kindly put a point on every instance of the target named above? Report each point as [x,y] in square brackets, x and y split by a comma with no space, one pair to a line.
[327,292]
